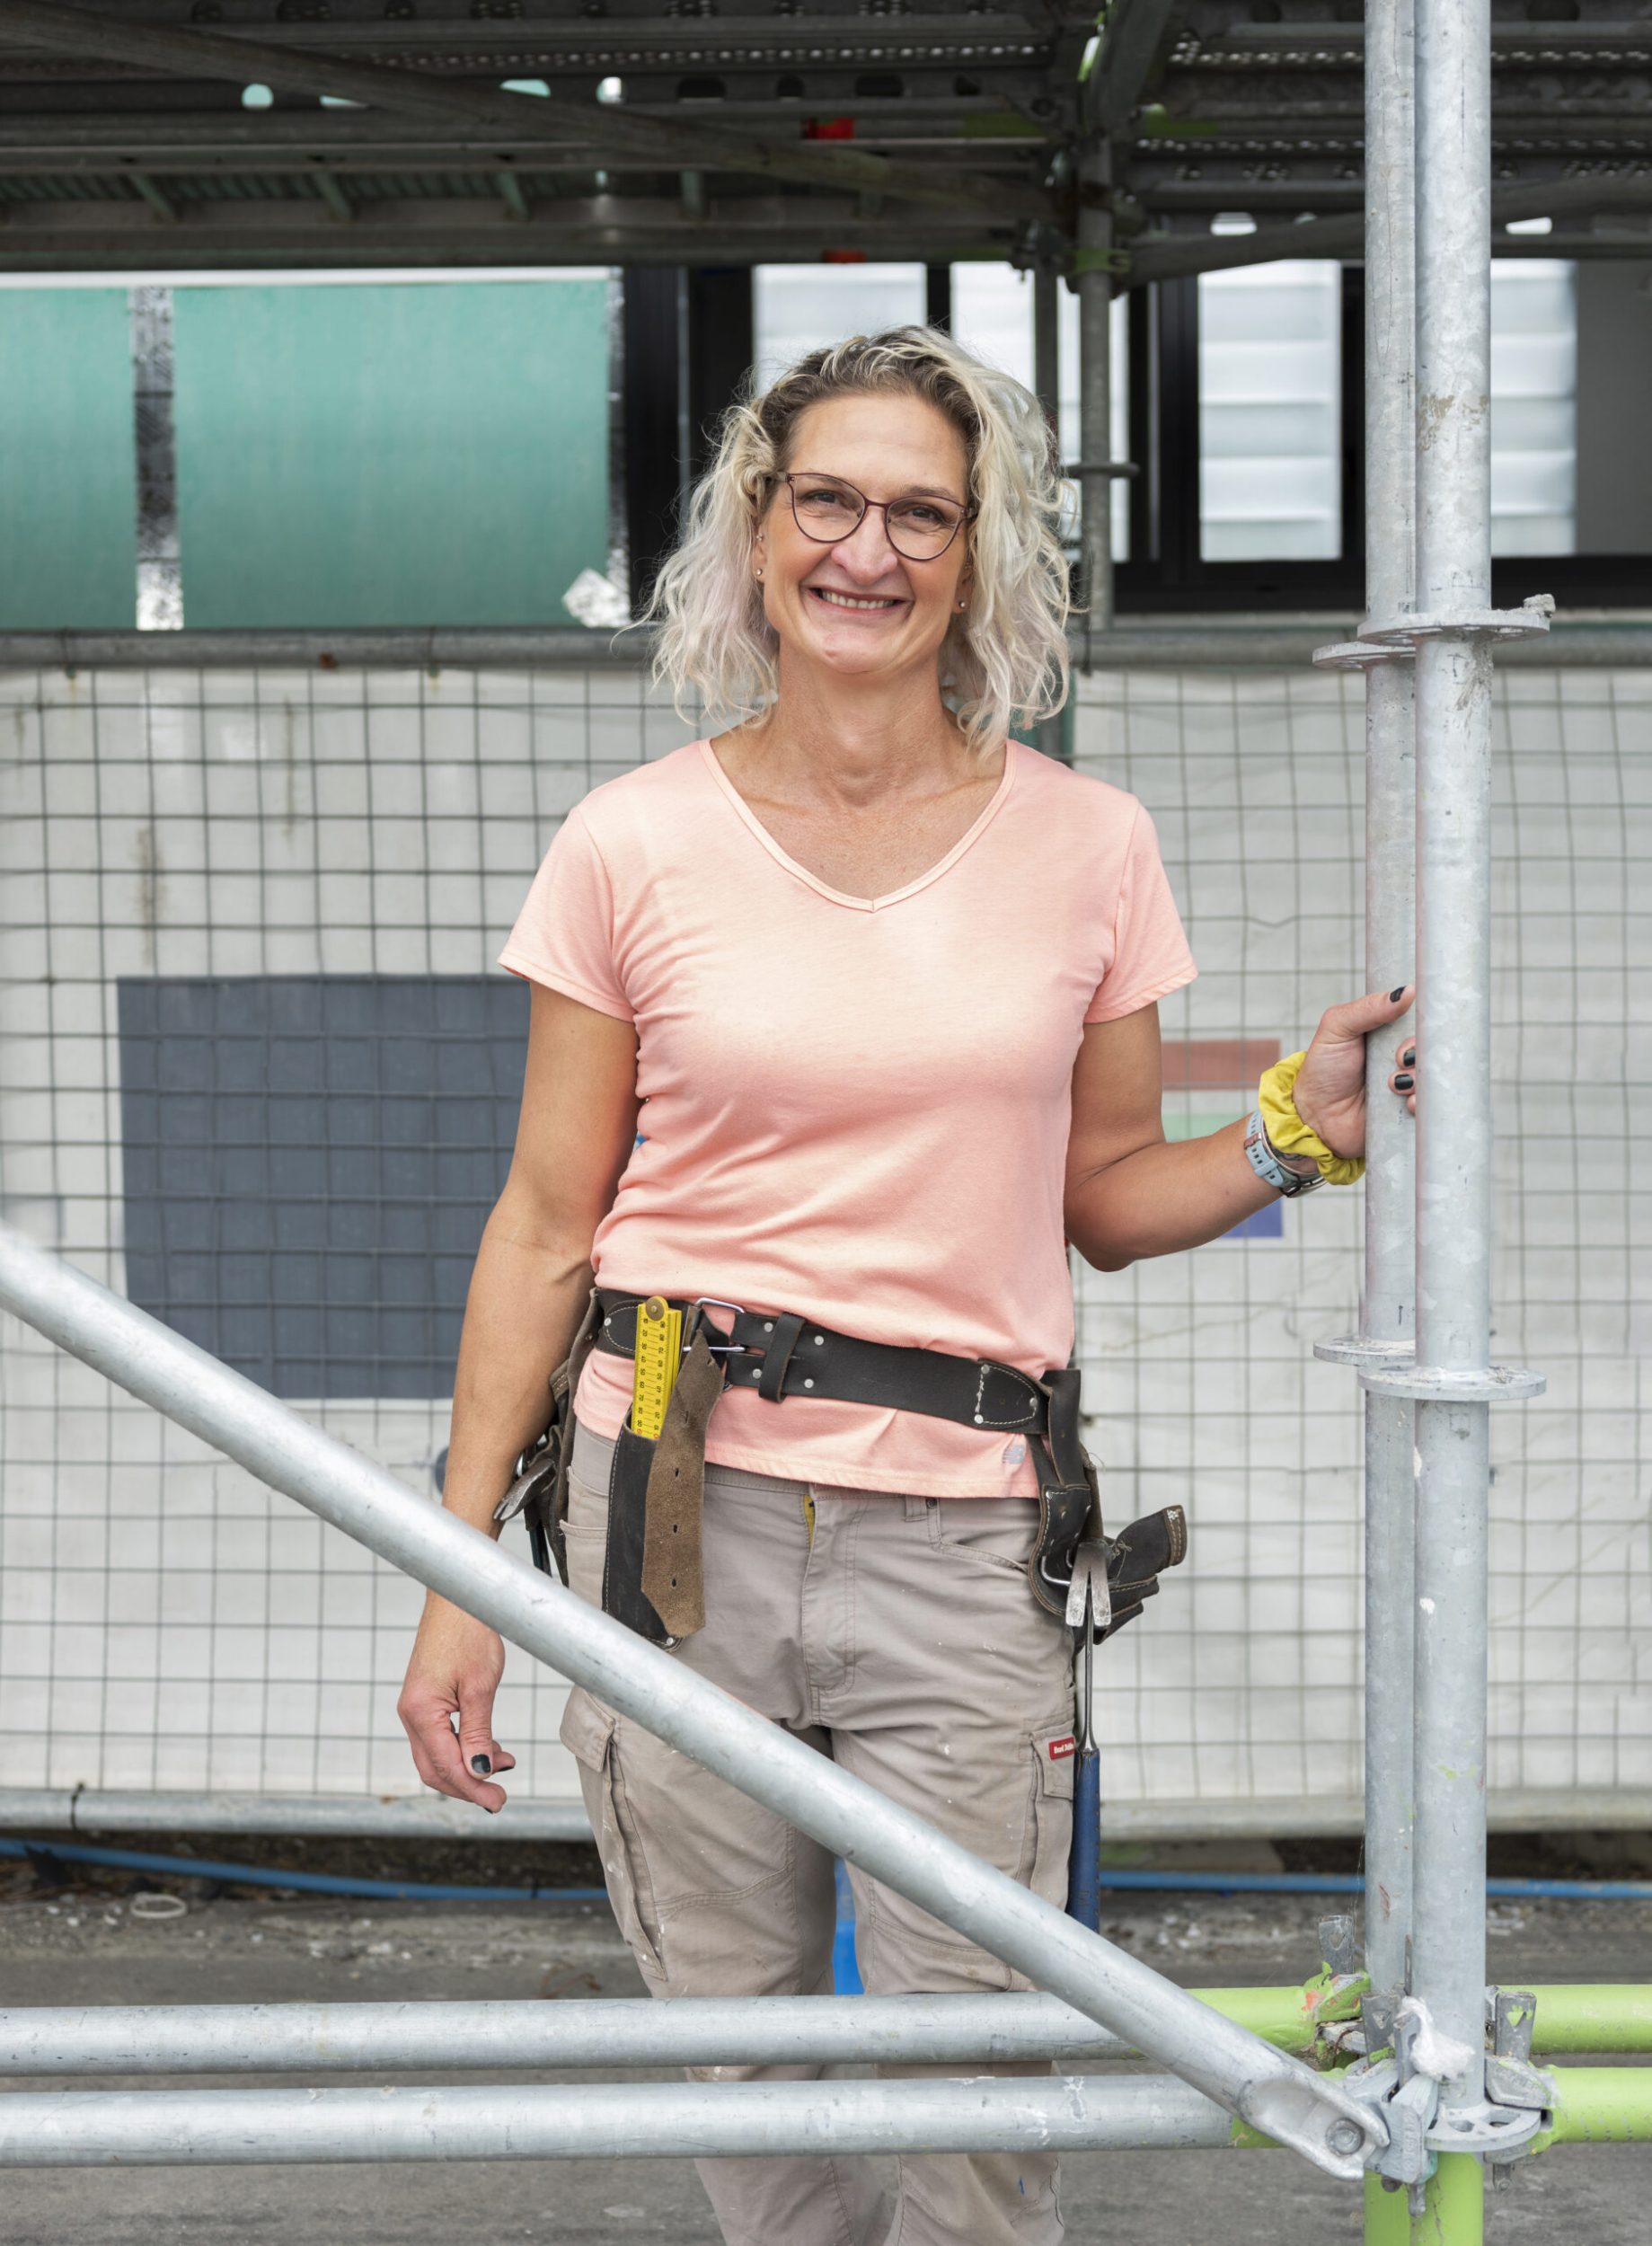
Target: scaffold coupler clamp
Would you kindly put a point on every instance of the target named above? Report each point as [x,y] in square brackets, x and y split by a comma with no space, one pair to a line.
[1331,2001]
[1512,2081]
[1406,2061]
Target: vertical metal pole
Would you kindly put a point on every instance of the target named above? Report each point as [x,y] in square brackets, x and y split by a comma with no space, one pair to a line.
[1046,341]
[160,567]
[1095,305]
[1046,383]
[1454,1122]
[1389,1306]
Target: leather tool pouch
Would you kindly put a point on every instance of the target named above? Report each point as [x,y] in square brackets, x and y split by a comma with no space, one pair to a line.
[1137,1558]
[653,1571]
[539,1492]
[1070,1509]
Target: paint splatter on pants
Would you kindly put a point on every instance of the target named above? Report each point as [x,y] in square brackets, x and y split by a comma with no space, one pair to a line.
[896,1634]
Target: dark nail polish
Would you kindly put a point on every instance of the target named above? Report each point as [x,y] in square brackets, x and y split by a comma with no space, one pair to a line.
[1408,1057]
[482,1765]
[1394,996]
[1403,1083]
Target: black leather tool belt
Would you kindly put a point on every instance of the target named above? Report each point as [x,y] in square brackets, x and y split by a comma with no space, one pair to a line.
[651,1578]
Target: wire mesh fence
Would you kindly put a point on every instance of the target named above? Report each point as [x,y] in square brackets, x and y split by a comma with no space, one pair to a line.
[260,1074]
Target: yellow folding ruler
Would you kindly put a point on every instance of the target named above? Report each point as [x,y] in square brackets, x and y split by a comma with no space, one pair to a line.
[658,1353]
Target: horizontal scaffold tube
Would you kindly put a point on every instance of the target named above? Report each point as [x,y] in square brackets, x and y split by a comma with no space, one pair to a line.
[93,1812]
[1273,2092]
[474,2121]
[1215,643]
[641,2031]
[688,2031]
[1601,2105]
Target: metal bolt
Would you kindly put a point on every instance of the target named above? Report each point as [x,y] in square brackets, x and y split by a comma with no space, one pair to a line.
[819,1341]
[1344,2136]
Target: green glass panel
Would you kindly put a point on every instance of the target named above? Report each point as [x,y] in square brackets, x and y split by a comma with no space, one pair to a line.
[431,454]
[69,505]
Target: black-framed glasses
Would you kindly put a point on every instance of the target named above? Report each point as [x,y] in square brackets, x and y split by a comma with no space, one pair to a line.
[827,510]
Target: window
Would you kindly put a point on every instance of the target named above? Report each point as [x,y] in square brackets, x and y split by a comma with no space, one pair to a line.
[991,315]
[1271,412]
[796,308]
[1533,406]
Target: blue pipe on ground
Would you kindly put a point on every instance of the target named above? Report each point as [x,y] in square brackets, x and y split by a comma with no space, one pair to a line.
[1150,1882]
[305,1882]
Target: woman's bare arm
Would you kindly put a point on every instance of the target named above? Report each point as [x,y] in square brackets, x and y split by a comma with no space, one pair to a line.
[1129,1194]
[531,1275]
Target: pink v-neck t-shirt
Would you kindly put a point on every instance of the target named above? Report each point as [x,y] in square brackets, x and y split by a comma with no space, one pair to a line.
[855,1109]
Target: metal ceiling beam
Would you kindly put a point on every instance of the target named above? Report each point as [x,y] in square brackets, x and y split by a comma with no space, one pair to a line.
[276,139]
[1174,257]
[1274,43]
[478,45]
[594,230]
[1130,46]
[204,54]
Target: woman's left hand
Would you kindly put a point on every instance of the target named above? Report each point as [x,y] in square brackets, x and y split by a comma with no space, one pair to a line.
[1330,1085]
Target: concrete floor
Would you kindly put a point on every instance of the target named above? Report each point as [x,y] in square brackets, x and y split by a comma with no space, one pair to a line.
[92,1950]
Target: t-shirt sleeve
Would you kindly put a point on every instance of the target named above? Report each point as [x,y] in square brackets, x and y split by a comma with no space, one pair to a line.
[1151,957]
[564,935]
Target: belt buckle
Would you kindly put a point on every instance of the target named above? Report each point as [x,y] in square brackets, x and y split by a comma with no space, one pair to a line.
[716,1301]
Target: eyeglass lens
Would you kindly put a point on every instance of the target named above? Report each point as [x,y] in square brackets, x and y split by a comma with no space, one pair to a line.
[825,510]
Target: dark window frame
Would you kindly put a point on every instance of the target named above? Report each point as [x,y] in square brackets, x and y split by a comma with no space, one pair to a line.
[694,334]
[1166,573]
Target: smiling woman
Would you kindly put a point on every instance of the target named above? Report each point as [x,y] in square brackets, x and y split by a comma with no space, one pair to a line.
[887,980]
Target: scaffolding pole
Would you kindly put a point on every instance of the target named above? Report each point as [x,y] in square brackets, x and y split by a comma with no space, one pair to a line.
[485,2121]
[1274,2093]
[1095,394]
[1440,2050]
[956,2030]
[1453,1020]
[1388,1303]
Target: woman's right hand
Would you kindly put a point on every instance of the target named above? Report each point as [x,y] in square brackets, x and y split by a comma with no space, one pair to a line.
[455,1670]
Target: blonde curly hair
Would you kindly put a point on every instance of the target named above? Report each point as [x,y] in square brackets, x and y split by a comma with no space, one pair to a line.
[1005,657]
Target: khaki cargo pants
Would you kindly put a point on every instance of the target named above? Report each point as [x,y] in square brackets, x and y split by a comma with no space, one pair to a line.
[898,1635]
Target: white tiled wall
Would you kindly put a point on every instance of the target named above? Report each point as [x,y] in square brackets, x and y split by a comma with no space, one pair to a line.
[166,1623]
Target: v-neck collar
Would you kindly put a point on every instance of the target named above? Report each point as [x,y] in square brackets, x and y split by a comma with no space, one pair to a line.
[1012,752]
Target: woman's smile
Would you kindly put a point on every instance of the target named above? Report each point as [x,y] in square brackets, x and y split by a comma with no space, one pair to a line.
[862,604]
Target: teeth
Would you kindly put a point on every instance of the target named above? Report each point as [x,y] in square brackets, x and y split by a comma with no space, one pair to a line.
[847,600]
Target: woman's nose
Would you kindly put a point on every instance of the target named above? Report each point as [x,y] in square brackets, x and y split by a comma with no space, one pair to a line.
[868,548]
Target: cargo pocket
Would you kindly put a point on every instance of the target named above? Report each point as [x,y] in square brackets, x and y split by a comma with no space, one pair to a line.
[590,1733]
[1055,1755]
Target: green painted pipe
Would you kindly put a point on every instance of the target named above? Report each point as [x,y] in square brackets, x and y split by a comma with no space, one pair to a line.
[1615,2016]
[1388,2217]
[1600,2105]
[1453,2205]
[1283,2017]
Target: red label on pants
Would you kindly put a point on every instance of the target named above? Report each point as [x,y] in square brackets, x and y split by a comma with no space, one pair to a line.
[1058,1750]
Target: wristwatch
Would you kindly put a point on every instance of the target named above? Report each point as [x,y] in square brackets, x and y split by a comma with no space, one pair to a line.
[1270,1166]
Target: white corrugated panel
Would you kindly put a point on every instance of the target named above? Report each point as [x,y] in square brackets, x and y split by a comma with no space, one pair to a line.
[796,308]
[1271,412]
[1533,406]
